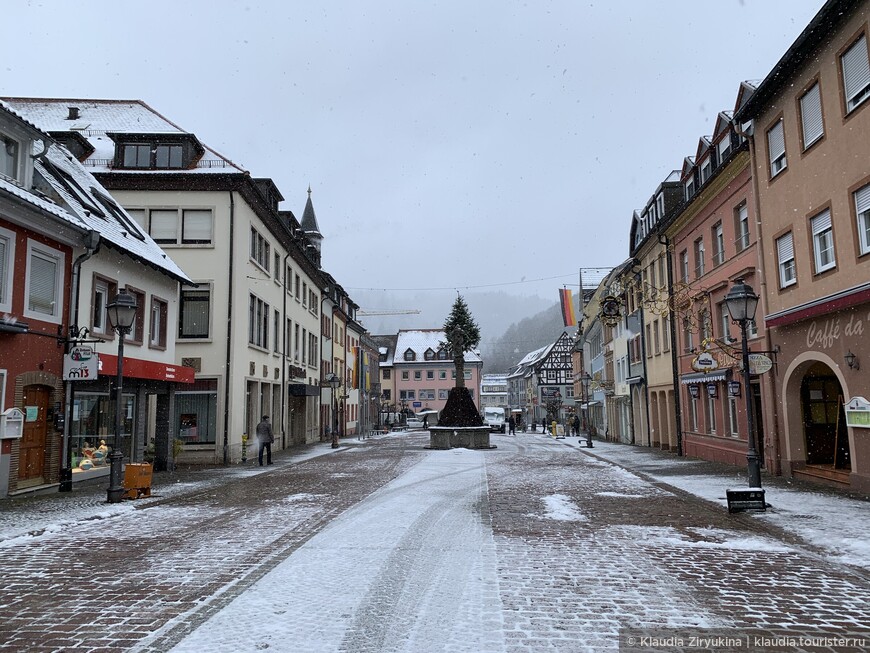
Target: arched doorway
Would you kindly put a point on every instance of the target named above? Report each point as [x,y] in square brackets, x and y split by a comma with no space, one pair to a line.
[32,446]
[825,435]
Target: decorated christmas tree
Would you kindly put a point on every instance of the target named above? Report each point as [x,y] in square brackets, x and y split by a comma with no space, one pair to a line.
[463,335]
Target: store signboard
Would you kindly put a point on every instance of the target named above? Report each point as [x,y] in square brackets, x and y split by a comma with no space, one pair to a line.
[759,364]
[81,364]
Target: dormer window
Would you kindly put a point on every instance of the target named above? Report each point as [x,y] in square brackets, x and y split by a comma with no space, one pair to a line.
[148,155]
[690,188]
[706,170]
[9,153]
[410,355]
[156,151]
[429,355]
[442,355]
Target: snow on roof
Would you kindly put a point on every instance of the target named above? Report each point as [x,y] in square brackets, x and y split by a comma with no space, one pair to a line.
[420,340]
[98,118]
[536,355]
[114,225]
[42,204]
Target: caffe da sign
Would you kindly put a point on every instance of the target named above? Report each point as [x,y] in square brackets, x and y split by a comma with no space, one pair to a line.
[80,364]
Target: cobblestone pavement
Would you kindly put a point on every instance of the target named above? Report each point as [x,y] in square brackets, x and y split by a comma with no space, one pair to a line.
[578,549]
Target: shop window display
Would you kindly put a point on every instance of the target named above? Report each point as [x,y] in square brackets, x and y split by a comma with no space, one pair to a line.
[93,428]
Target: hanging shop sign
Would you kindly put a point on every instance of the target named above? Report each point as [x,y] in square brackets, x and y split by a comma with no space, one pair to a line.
[705,362]
[611,310]
[858,412]
[759,364]
[81,364]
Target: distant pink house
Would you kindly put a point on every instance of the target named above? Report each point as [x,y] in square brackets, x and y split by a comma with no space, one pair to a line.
[423,370]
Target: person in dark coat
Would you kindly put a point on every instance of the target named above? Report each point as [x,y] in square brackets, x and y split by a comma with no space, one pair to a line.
[576,425]
[512,426]
[265,437]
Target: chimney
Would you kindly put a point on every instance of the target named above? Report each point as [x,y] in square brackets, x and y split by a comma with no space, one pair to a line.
[73,113]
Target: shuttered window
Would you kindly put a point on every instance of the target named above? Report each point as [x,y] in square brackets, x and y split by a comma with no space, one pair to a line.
[164,226]
[862,209]
[194,313]
[785,260]
[776,149]
[196,226]
[7,258]
[856,73]
[823,241]
[811,116]
[44,282]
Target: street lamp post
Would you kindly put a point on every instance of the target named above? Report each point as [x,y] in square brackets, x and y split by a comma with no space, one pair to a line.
[334,381]
[585,379]
[122,313]
[742,301]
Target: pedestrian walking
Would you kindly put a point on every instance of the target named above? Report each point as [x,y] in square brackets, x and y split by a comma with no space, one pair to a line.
[576,425]
[512,426]
[264,435]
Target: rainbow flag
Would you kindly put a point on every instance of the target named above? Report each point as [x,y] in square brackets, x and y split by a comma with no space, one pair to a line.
[568,316]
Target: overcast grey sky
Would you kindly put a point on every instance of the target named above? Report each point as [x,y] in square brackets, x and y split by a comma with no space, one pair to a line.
[458,144]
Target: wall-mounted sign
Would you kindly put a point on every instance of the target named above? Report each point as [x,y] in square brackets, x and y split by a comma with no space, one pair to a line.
[81,364]
[759,364]
[734,388]
[705,362]
[694,391]
[858,412]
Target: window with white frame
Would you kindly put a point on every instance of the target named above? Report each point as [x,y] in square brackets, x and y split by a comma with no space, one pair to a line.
[785,260]
[732,415]
[776,148]
[176,226]
[104,291]
[276,270]
[666,333]
[9,157]
[442,393]
[7,263]
[856,73]
[418,375]
[684,266]
[194,312]
[44,286]
[724,147]
[699,257]
[258,322]
[260,249]
[157,324]
[276,331]
[724,321]
[689,187]
[687,334]
[811,116]
[741,218]
[406,375]
[823,241]
[718,244]
[706,170]
[710,413]
[693,412]
[862,210]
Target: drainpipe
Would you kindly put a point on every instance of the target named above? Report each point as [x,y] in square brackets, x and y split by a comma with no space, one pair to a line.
[678,412]
[228,364]
[92,245]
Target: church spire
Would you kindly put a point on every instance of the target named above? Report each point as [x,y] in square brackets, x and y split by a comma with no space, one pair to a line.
[309,223]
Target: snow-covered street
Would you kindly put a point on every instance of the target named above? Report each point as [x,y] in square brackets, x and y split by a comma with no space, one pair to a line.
[383,545]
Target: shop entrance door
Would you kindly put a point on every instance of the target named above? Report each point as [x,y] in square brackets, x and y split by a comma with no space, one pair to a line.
[31,447]
[827,441]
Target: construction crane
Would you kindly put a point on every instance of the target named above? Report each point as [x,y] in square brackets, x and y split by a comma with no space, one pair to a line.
[400,311]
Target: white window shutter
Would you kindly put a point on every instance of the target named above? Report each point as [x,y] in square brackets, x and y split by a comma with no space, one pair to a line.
[856,70]
[785,248]
[811,116]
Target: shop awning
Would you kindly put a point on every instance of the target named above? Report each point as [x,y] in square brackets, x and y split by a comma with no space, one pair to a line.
[706,377]
[635,379]
[591,403]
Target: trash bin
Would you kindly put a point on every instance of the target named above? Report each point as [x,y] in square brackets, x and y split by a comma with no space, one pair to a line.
[137,480]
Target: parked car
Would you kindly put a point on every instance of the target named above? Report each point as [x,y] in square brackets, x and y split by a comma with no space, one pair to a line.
[494,418]
[414,423]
